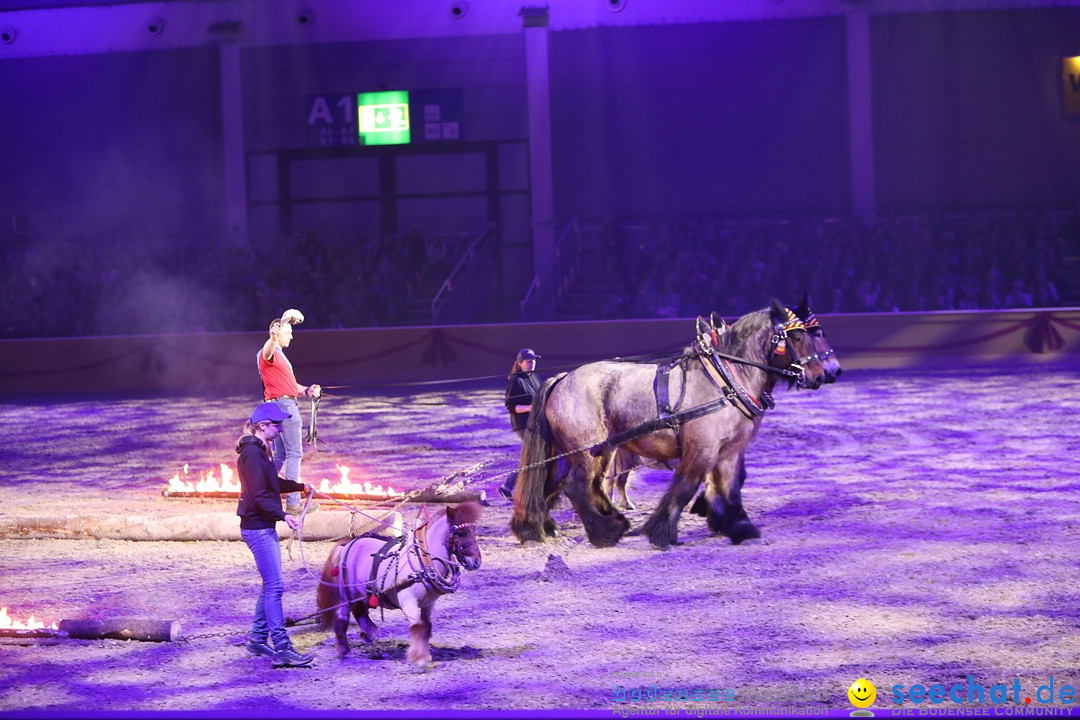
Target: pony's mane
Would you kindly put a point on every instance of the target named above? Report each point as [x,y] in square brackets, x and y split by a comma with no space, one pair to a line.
[736,340]
[466,512]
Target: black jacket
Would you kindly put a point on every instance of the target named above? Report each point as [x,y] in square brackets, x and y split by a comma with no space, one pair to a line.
[260,486]
[519,391]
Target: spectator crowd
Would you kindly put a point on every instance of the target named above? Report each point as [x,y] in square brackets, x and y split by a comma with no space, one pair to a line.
[95,286]
[916,263]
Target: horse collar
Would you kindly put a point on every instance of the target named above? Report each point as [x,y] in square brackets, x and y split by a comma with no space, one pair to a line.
[719,370]
[429,574]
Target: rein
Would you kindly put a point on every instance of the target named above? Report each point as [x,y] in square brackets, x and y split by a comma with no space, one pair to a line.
[428,574]
[717,366]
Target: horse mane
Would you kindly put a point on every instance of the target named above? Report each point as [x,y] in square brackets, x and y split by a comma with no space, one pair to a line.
[466,512]
[737,339]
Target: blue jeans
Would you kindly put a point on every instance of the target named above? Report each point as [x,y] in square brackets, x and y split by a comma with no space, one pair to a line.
[289,446]
[269,616]
[511,481]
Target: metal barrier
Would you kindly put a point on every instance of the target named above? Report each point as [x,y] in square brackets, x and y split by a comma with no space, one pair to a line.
[554,278]
[469,284]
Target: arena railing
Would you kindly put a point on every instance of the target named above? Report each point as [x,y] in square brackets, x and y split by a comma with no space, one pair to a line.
[465,291]
[554,277]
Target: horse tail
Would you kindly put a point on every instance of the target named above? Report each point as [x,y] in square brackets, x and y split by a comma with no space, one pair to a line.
[328,596]
[535,482]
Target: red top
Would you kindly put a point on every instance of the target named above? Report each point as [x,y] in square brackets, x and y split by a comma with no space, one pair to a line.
[277,376]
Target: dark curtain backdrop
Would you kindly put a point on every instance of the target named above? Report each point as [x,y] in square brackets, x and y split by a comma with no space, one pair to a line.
[968,109]
[728,118]
[123,145]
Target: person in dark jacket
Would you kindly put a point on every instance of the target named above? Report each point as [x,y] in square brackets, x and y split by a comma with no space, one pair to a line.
[260,511]
[522,384]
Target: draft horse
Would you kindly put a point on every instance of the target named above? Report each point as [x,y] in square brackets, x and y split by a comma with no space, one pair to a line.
[586,414]
[830,363]
[409,572]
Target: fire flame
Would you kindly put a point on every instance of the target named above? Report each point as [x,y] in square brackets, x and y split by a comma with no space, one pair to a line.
[206,482]
[345,486]
[7,623]
[209,483]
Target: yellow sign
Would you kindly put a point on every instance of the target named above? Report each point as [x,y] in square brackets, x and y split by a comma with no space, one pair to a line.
[1072,84]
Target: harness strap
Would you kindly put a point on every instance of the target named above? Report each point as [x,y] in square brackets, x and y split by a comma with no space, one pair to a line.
[661,390]
[429,574]
[661,423]
[372,585]
[343,573]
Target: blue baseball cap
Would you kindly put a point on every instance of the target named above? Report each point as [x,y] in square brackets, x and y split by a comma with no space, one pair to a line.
[527,354]
[268,411]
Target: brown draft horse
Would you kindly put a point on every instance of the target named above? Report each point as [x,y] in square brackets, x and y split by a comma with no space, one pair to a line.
[624,462]
[577,412]
[830,363]
[409,572]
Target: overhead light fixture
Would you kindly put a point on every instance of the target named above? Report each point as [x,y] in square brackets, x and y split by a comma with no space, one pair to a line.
[155,26]
[305,16]
[616,5]
[458,9]
[8,35]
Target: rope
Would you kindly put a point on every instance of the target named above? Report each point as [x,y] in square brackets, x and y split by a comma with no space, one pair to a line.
[478,378]
[313,435]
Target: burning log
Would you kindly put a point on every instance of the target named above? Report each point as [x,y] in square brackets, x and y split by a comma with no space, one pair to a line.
[42,632]
[130,629]
[209,486]
[428,496]
[122,629]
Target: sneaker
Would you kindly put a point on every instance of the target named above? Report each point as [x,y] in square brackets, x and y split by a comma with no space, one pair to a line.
[297,509]
[259,648]
[506,493]
[288,657]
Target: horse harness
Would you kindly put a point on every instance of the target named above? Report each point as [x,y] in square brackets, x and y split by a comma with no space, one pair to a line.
[377,594]
[719,370]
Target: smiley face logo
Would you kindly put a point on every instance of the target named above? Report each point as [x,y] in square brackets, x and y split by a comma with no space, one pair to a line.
[862,693]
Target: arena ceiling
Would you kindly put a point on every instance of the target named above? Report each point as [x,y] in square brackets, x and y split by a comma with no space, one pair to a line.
[30,28]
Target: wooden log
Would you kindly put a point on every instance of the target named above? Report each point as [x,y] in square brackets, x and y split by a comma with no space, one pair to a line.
[428,496]
[27,641]
[121,629]
[28,632]
[323,525]
[450,498]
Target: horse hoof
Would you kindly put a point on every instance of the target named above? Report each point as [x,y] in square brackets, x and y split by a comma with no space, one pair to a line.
[743,531]
[342,652]
[700,506]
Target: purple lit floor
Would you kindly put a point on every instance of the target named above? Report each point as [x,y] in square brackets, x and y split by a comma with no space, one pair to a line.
[917,528]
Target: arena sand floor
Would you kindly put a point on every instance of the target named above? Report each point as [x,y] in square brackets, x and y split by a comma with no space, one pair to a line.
[918,528]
